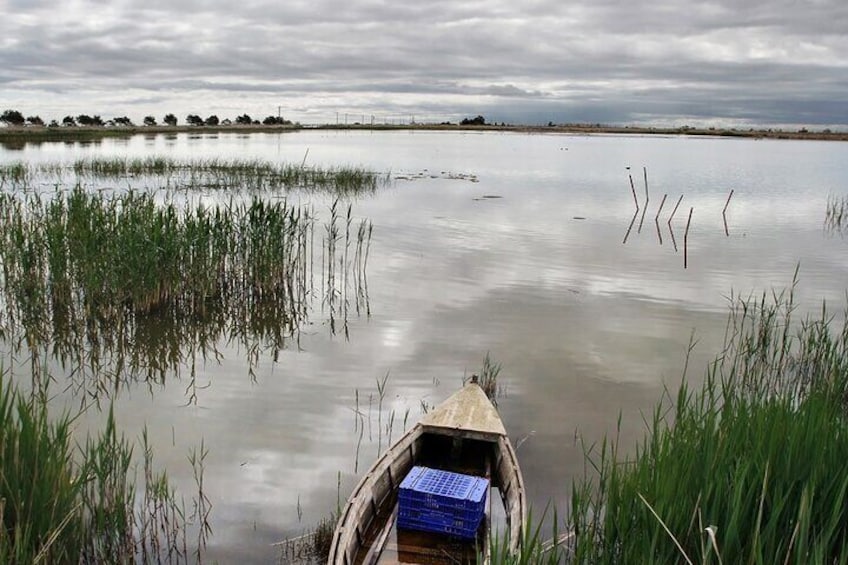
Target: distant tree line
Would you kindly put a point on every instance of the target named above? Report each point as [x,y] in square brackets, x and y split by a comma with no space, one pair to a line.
[16,118]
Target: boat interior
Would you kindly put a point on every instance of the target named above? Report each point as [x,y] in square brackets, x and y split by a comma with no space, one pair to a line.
[384,543]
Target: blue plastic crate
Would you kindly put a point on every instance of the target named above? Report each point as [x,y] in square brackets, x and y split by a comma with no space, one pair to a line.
[436,521]
[426,526]
[441,490]
[442,501]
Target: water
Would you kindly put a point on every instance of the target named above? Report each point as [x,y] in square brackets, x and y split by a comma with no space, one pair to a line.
[510,244]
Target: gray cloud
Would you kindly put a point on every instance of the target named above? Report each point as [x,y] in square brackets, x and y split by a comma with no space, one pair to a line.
[760,62]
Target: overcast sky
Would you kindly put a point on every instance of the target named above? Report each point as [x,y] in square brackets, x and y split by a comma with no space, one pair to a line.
[697,62]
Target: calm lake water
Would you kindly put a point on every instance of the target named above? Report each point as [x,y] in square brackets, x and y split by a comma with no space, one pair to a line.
[507,244]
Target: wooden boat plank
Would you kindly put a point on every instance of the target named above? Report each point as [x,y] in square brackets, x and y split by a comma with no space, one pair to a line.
[467,413]
[376,548]
[348,538]
[513,492]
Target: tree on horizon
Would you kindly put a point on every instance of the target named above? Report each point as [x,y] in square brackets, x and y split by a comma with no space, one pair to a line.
[86,120]
[476,121]
[12,118]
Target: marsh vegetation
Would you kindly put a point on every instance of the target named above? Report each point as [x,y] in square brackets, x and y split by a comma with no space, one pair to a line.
[234,175]
[749,467]
[135,285]
[119,287]
[94,501]
[836,214]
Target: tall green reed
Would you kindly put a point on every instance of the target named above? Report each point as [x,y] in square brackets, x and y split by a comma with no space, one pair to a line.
[137,284]
[749,468]
[63,502]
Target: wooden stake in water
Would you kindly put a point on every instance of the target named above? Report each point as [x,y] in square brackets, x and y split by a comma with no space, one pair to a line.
[657,218]
[686,241]
[642,221]
[729,196]
[633,189]
[662,203]
[659,231]
[673,241]
[723,213]
[630,227]
[673,212]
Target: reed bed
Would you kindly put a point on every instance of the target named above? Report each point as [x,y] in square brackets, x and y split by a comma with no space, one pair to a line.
[836,214]
[62,502]
[125,282]
[13,174]
[748,468]
[204,174]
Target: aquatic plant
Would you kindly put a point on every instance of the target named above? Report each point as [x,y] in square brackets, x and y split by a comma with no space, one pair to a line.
[748,468]
[488,379]
[534,548]
[836,214]
[66,503]
[16,173]
[200,174]
[127,281]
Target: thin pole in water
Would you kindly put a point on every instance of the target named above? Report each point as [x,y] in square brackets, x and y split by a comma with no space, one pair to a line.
[686,241]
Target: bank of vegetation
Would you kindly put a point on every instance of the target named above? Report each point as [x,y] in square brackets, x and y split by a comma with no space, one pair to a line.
[100,500]
[747,468]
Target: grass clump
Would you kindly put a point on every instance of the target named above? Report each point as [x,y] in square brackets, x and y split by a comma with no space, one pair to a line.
[836,214]
[750,468]
[16,173]
[61,502]
[533,548]
[313,546]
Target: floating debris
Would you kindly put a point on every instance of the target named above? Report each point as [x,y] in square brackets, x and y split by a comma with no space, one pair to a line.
[425,174]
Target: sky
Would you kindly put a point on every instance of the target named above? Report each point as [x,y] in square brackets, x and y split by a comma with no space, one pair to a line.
[723,63]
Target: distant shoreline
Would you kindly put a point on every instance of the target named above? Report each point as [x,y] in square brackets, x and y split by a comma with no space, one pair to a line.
[43,133]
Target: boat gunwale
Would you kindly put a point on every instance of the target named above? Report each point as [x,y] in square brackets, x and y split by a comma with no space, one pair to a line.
[357,499]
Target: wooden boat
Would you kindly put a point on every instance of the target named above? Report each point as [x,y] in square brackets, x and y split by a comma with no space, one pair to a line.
[463,434]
